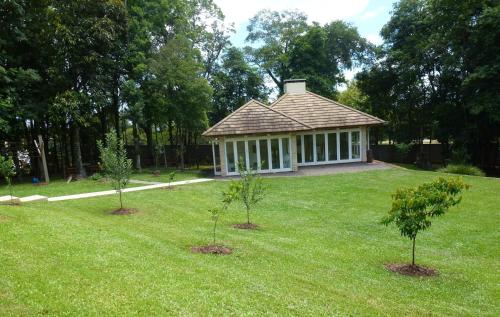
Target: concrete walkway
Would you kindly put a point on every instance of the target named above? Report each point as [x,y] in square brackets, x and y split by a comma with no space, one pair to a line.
[137,181]
[112,192]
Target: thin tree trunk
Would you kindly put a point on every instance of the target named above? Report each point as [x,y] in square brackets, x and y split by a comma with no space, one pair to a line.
[121,202]
[215,227]
[137,148]
[181,154]
[248,215]
[116,106]
[413,253]
[77,153]
[10,191]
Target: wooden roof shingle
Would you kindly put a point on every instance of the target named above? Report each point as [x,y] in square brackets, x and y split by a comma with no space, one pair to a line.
[255,118]
[320,112]
[290,113]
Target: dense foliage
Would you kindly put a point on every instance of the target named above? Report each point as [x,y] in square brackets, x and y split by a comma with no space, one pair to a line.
[437,75]
[413,208]
[160,72]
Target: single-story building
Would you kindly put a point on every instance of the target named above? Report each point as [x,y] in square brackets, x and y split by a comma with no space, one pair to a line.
[299,129]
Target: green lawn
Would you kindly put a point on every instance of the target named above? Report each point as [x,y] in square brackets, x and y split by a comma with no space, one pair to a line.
[320,251]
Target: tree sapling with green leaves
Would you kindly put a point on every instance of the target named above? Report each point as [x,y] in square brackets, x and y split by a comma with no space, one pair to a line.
[115,163]
[413,208]
[8,170]
[249,190]
[171,177]
[215,213]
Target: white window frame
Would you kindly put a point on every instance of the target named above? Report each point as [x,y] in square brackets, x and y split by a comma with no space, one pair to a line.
[214,142]
[267,139]
[301,160]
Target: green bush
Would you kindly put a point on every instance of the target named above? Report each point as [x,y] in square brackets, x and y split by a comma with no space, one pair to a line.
[462,169]
[96,177]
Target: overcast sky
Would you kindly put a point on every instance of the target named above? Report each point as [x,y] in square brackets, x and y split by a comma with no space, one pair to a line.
[367,15]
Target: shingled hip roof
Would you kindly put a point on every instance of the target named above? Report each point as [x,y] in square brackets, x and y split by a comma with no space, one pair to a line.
[320,112]
[291,113]
[255,118]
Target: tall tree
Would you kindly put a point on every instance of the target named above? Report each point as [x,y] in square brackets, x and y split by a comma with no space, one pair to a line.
[324,53]
[276,31]
[179,68]
[438,73]
[234,83]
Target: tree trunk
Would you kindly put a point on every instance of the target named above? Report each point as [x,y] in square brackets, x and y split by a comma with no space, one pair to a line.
[149,140]
[116,106]
[121,201]
[248,215]
[215,227]
[137,147]
[413,253]
[181,154]
[77,153]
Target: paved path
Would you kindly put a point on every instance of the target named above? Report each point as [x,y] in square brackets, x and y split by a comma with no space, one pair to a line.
[137,181]
[127,190]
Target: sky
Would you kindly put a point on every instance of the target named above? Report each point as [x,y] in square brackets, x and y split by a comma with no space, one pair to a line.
[367,15]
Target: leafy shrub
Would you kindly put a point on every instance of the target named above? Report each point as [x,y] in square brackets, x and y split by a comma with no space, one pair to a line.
[413,208]
[96,177]
[462,169]
[460,155]
[403,148]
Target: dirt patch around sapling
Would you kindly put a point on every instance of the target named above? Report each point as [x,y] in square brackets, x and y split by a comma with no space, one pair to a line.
[123,211]
[411,270]
[212,249]
[246,226]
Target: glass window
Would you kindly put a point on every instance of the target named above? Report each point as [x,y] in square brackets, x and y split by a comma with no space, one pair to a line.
[332,146]
[241,156]
[344,145]
[217,157]
[275,153]
[252,154]
[355,145]
[264,158]
[320,147]
[231,167]
[285,145]
[308,148]
[299,149]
